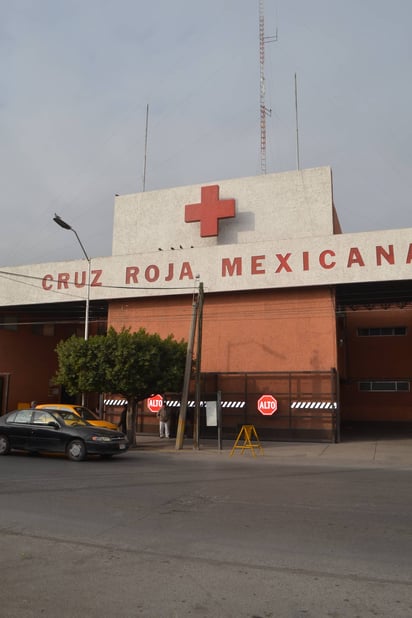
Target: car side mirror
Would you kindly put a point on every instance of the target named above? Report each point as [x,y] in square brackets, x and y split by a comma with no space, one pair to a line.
[54,424]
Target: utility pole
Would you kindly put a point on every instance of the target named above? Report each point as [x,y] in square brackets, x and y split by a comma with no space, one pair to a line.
[196,425]
[186,380]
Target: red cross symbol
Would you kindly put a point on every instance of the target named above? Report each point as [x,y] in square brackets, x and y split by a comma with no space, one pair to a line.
[209,211]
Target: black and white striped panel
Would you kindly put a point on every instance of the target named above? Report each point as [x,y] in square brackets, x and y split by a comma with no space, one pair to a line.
[314,405]
[115,402]
[191,404]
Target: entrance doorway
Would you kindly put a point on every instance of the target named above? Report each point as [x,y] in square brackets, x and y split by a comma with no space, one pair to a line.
[4,391]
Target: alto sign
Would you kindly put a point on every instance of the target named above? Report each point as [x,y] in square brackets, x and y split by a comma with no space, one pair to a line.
[267,405]
[154,403]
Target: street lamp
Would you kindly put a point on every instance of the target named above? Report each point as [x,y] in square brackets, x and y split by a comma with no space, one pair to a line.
[66,226]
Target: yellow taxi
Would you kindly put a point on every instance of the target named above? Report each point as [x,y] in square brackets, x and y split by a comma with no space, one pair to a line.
[82,411]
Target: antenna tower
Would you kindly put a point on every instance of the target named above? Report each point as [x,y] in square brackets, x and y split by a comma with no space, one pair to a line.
[263,109]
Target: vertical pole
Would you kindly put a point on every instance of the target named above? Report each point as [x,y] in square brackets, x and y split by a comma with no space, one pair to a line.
[336,390]
[66,226]
[262,88]
[196,424]
[219,419]
[145,148]
[185,393]
[290,400]
[297,126]
[86,320]
[86,317]
[263,109]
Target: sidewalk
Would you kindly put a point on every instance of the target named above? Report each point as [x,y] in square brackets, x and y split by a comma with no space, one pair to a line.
[396,451]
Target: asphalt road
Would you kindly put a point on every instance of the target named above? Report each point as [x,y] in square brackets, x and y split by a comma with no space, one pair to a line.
[159,535]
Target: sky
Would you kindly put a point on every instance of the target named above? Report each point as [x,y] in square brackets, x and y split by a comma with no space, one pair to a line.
[78,76]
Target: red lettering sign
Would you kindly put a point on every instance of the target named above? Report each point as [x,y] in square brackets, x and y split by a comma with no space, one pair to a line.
[267,405]
[154,403]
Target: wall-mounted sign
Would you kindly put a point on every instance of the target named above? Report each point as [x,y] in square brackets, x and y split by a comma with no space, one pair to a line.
[267,405]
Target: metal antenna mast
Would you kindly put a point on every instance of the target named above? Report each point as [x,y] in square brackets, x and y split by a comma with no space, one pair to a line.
[263,109]
[145,148]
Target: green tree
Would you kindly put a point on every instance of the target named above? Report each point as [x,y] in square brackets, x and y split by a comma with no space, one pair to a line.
[134,364]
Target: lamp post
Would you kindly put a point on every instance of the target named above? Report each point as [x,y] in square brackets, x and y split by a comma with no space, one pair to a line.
[66,226]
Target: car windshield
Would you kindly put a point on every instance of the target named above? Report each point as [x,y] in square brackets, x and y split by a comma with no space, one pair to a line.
[85,413]
[70,418]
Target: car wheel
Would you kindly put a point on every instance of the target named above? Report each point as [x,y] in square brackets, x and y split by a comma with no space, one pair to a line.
[4,445]
[76,451]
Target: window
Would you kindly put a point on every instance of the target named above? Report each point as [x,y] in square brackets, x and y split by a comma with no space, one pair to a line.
[382,331]
[41,417]
[8,322]
[46,330]
[389,386]
[22,416]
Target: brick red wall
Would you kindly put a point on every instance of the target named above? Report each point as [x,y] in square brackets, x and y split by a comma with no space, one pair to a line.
[31,361]
[375,358]
[277,330]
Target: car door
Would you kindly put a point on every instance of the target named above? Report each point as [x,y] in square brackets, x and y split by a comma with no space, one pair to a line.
[19,428]
[45,437]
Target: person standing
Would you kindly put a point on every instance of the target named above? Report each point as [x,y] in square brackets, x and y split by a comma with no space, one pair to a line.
[164,421]
[123,421]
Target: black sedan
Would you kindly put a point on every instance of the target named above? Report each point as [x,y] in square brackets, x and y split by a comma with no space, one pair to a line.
[58,431]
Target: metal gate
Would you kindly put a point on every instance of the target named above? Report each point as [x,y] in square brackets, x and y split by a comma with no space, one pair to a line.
[307,404]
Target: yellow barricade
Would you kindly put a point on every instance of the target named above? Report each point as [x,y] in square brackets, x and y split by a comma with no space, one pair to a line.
[250,440]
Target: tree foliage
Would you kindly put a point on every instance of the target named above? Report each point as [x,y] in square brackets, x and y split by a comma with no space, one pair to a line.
[134,364]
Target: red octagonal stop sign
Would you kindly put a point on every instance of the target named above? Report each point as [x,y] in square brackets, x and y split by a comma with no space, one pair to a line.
[267,405]
[154,403]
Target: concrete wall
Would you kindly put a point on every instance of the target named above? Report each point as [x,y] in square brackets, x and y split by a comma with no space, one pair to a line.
[268,207]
